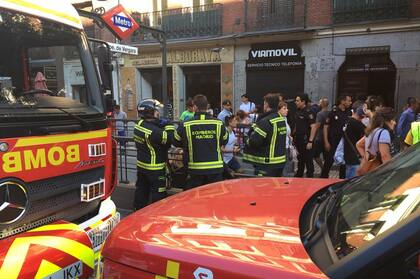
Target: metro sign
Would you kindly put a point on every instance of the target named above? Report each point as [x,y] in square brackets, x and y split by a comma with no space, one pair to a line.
[120,21]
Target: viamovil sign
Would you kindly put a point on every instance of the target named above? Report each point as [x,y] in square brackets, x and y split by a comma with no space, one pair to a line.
[120,21]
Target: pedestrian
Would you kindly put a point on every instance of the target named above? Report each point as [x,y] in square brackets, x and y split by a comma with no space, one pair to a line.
[333,132]
[372,104]
[377,146]
[406,118]
[266,146]
[153,139]
[227,110]
[413,136]
[304,136]
[247,106]
[321,116]
[189,112]
[232,145]
[120,121]
[202,138]
[289,169]
[120,127]
[354,131]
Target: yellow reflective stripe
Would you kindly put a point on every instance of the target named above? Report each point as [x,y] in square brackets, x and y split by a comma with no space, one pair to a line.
[169,127]
[172,269]
[144,130]
[46,268]
[177,136]
[137,138]
[152,151]
[277,119]
[150,166]
[205,165]
[260,132]
[219,152]
[33,6]
[17,252]
[263,160]
[162,189]
[32,141]
[273,140]
[198,122]
[164,137]
[57,227]
[202,117]
[189,141]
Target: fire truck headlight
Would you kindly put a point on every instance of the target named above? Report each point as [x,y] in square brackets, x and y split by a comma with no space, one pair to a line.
[4,146]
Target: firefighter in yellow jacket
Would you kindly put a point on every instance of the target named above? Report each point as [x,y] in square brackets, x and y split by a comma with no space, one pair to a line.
[153,138]
[202,138]
[266,146]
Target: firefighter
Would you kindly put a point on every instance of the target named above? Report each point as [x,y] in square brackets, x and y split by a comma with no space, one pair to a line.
[266,146]
[304,135]
[153,138]
[202,138]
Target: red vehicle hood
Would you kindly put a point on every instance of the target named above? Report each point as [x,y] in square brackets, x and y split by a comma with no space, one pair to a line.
[236,228]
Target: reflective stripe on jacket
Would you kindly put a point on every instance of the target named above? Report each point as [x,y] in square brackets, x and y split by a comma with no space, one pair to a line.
[266,145]
[202,138]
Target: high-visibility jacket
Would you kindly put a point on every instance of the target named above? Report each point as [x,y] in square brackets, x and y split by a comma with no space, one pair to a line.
[266,145]
[413,136]
[201,139]
[152,141]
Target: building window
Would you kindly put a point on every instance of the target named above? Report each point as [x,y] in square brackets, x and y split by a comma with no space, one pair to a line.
[348,11]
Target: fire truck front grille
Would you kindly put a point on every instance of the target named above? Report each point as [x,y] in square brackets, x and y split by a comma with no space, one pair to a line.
[57,198]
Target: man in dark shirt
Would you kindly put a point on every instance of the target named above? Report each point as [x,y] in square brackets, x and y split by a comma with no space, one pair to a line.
[354,131]
[333,132]
[321,116]
[304,136]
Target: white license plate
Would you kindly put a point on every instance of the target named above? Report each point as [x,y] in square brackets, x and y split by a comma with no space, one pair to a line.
[69,272]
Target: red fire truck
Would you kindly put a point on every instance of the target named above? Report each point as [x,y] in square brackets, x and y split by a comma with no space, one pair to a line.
[57,163]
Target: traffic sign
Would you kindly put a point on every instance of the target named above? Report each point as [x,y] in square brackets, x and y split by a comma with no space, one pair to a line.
[120,21]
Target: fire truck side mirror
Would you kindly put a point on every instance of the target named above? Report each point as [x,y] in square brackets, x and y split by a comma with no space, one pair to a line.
[105,70]
[105,66]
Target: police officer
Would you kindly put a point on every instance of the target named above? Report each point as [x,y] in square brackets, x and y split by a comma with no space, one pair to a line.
[304,135]
[201,139]
[266,146]
[153,137]
[333,132]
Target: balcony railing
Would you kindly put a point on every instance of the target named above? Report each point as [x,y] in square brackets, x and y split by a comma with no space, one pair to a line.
[349,11]
[263,15]
[199,21]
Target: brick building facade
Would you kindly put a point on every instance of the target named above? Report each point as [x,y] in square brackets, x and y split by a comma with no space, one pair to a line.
[324,48]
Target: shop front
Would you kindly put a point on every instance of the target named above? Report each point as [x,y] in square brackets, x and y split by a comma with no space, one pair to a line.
[368,71]
[275,68]
[207,71]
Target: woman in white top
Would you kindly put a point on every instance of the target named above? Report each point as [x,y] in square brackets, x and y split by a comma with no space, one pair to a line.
[288,170]
[379,136]
[232,146]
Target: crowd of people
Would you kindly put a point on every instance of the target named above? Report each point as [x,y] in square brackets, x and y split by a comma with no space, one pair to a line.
[356,135]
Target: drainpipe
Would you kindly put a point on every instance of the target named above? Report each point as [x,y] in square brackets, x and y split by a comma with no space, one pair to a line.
[305,11]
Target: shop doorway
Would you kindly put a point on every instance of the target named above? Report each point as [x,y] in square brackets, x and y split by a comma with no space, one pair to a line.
[203,80]
[151,86]
[368,71]
[289,82]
